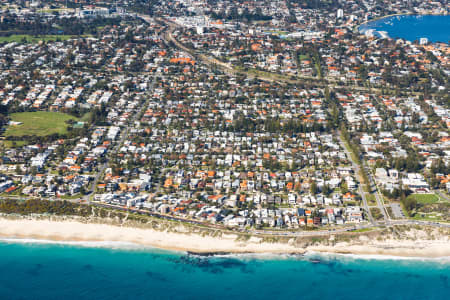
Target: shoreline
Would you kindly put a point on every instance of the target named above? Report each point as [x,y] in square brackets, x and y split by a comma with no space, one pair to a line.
[114,245]
[122,237]
[388,16]
[395,15]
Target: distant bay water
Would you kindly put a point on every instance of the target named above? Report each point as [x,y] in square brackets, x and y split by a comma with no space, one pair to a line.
[435,28]
[33,270]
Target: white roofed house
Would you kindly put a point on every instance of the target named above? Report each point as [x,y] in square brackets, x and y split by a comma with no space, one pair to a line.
[388,180]
[99,150]
[39,160]
[351,184]
[354,214]
[333,182]
[236,221]
[416,182]
[292,199]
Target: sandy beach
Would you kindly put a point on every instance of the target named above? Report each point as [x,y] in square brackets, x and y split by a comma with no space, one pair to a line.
[420,246]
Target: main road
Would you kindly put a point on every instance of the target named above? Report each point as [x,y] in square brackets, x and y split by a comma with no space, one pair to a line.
[230,70]
[123,136]
[356,168]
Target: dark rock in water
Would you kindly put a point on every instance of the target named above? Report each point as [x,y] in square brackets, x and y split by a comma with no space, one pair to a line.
[296,255]
[209,263]
[411,275]
[444,279]
[207,254]
[35,270]
[156,276]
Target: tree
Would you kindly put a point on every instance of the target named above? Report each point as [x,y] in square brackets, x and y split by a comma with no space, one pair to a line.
[327,190]
[412,163]
[18,170]
[438,166]
[410,204]
[344,187]
[313,188]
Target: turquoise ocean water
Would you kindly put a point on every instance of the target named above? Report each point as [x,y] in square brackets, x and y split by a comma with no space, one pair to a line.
[57,271]
[413,27]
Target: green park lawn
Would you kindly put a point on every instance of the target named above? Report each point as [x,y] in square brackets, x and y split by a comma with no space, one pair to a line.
[371,200]
[303,57]
[425,198]
[13,144]
[33,39]
[39,123]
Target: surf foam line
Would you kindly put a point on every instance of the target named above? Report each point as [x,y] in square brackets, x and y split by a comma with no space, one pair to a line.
[308,256]
[353,256]
[86,244]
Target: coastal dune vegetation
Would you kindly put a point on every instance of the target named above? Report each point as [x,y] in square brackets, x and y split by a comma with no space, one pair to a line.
[37,219]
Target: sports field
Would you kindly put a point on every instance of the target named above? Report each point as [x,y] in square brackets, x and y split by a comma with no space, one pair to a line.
[19,38]
[39,123]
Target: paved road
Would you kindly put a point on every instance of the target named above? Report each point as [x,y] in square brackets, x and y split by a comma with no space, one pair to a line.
[443,195]
[286,233]
[209,61]
[378,197]
[123,136]
[372,185]
[229,69]
[360,189]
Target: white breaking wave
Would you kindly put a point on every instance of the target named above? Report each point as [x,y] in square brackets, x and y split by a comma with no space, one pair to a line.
[313,254]
[259,256]
[87,244]
[114,245]
[324,256]
[310,255]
